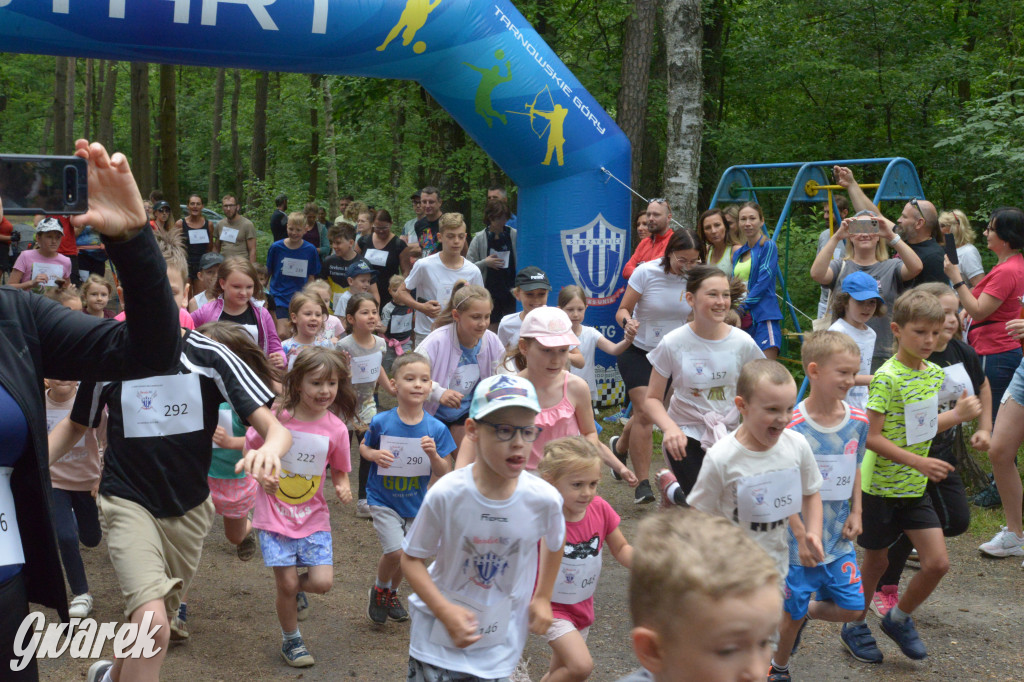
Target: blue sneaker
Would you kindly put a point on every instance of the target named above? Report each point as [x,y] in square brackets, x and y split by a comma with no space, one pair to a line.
[295,653]
[301,606]
[905,635]
[861,644]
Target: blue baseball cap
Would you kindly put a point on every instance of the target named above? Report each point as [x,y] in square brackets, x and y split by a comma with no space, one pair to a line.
[862,287]
[360,267]
[500,391]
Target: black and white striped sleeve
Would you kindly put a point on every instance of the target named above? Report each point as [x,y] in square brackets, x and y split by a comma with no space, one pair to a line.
[238,384]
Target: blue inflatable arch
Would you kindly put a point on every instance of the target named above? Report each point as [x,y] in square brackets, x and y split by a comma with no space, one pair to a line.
[480,60]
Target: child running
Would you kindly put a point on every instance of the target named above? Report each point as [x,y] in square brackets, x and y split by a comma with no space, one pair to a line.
[294,521]
[334,329]
[573,466]
[397,322]
[903,412]
[762,473]
[705,601]
[573,301]
[343,254]
[531,290]
[366,353]
[96,293]
[484,525]
[407,449]
[836,432]
[307,313]
[856,302]
[962,368]
[292,263]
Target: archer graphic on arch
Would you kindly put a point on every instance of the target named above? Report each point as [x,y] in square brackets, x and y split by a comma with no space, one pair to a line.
[412,19]
[555,127]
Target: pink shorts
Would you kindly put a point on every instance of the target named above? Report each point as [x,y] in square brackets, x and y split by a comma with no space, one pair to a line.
[233,498]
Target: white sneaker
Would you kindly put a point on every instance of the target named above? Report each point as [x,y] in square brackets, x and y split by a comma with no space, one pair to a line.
[362,509]
[81,606]
[97,670]
[1005,543]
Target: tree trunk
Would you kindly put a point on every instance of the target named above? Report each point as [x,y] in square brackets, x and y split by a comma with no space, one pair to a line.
[236,156]
[329,149]
[142,159]
[259,128]
[638,41]
[100,77]
[213,187]
[69,102]
[713,63]
[87,100]
[60,112]
[683,33]
[314,134]
[45,140]
[169,137]
[105,132]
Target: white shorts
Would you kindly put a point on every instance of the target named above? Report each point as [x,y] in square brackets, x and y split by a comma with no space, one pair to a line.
[560,627]
[391,528]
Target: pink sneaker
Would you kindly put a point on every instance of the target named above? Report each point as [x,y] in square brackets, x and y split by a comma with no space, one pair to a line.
[664,479]
[885,598]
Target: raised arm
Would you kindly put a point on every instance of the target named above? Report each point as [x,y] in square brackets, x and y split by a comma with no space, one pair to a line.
[820,270]
[860,201]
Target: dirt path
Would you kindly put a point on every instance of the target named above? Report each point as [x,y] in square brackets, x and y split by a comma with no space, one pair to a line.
[973,626]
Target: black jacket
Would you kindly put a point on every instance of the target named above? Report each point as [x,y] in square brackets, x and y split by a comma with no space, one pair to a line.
[40,338]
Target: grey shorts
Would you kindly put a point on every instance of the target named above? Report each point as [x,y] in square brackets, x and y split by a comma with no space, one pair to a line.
[424,672]
[391,528]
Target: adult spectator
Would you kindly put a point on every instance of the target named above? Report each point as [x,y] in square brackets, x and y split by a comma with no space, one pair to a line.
[92,259]
[653,305]
[995,300]
[955,222]
[198,237]
[918,224]
[756,262]
[279,219]
[343,204]
[494,252]
[7,242]
[409,229]
[69,245]
[498,192]
[867,253]
[236,235]
[50,341]
[315,234]
[162,221]
[716,241]
[383,251]
[641,226]
[658,216]
[843,209]
[426,228]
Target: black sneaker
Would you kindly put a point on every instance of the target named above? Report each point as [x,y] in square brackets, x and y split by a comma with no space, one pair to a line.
[776,675]
[396,611]
[612,442]
[377,610]
[643,494]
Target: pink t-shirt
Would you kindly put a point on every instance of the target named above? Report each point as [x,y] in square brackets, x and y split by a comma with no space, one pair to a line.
[581,563]
[299,509]
[81,467]
[26,259]
[1006,282]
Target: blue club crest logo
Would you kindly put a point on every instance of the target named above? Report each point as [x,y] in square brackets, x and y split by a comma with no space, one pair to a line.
[595,254]
[146,399]
[826,471]
[570,575]
[759,495]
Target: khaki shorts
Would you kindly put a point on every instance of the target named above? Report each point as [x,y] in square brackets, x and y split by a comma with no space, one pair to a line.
[154,558]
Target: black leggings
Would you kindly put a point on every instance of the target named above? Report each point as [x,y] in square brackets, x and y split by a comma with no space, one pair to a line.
[950,501]
[77,519]
[13,610]
[686,469]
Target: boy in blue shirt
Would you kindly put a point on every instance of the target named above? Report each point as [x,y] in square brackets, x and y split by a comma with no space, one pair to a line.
[292,263]
[407,448]
[836,433]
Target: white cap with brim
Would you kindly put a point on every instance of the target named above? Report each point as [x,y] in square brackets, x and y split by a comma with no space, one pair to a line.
[49,225]
[501,391]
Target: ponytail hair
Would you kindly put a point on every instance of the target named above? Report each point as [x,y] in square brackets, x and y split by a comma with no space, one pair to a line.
[241,344]
[463,294]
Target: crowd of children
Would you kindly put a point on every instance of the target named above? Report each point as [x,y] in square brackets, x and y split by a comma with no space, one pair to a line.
[490,462]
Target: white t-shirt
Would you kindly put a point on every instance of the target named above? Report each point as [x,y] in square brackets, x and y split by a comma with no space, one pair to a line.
[703,372]
[865,338]
[588,337]
[486,553]
[433,281]
[200,299]
[728,463]
[508,329]
[970,262]
[662,306]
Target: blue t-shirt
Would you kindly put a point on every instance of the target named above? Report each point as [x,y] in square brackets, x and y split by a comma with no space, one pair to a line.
[283,287]
[846,438]
[401,493]
[11,448]
[460,383]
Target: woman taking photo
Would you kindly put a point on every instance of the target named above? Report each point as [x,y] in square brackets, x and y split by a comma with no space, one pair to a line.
[654,304]
[866,252]
[756,261]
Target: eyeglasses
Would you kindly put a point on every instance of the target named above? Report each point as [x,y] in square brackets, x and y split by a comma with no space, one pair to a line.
[685,262]
[163,210]
[913,202]
[506,432]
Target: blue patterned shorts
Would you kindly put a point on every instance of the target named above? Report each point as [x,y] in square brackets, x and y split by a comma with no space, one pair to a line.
[312,550]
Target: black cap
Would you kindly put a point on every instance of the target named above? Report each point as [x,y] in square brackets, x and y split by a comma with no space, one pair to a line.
[415,195]
[161,204]
[531,278]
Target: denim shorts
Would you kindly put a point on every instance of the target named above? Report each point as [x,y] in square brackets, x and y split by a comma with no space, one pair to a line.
[312,550]
[1016,388]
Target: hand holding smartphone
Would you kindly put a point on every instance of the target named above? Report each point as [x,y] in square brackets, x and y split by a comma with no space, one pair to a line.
[951,249]
[52,185]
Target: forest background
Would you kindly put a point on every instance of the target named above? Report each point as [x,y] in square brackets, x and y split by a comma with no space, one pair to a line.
[936,81]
